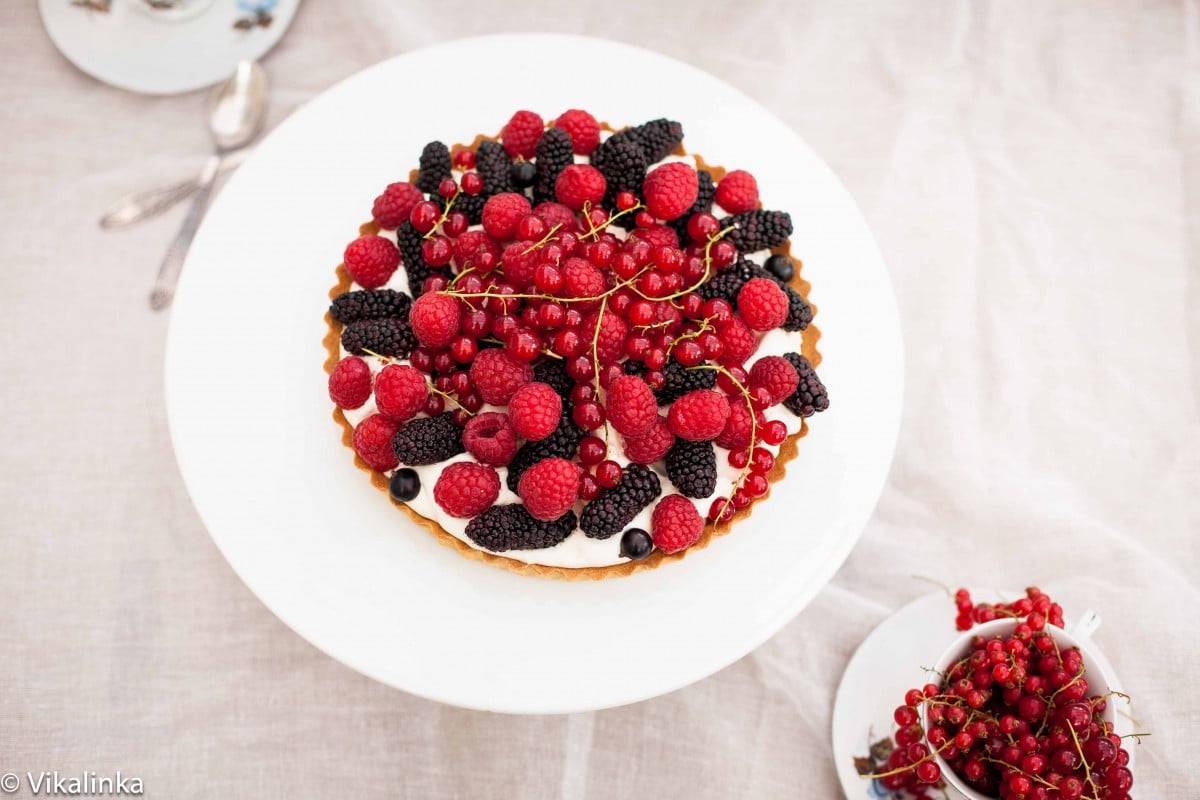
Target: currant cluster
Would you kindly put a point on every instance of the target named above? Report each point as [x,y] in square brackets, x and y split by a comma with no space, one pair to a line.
[1014,718]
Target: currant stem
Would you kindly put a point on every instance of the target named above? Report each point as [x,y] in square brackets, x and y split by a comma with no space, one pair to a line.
[445,214]
[909,767]
[546,238]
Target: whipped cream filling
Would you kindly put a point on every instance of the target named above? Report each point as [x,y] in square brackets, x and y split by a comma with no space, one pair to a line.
[579,550]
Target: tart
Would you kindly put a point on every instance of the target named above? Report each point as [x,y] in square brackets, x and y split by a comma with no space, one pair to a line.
[573,351]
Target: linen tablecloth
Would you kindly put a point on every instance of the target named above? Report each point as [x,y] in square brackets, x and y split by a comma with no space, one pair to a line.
[1032,174]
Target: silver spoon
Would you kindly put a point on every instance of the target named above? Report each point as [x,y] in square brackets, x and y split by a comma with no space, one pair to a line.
[133,208]
[235,114]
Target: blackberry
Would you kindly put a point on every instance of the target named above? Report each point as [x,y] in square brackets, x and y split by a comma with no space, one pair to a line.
[494,166]
[510,527]
[692,468]
[523,174]
[553,371]
[409,239]
[562,443]
[679,380]
[469,204]
[704,201]
[811,396]
[427,440]
[729,282]
[758,230]
[435,165]
[799,311]
[613,509]
[623,165]
[378,304]
[554,154]
[659,138]
[391,336]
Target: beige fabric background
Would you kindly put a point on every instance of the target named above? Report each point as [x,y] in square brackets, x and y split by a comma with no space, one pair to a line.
[1032,173]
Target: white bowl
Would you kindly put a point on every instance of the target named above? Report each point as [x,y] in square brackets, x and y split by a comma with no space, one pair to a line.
[1099,681]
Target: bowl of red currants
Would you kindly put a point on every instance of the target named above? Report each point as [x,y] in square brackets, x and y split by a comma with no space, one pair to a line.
[1018,709]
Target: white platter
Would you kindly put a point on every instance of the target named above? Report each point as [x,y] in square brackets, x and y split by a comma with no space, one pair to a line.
[327,552]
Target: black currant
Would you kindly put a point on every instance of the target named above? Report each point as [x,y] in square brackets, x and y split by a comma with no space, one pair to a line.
[404,485]
[524,173]
[636,544]
[781,267]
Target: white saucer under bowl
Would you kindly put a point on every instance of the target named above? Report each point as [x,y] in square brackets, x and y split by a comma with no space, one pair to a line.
[127,45]
[888,663]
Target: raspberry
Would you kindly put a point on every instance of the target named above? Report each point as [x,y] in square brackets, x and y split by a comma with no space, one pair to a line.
[630,406]
[670,190]
[434,319]
[811,396]
[520,136]
[465,489]
[490,438]
[395,204]
[740,341]
[777,374]
[736,434]
[675,524]
[520,263]
[386,337]
[692,468]
[535,410]
[549,488]
[371,260]
[610,341]
[561,444]
[435,167]
[698,415]
[579,184]
[678,380]
[471,245]
[583,129]
[728,282]
[502,212]
[553,156]
[762,304]
[704,201]
[494,165]
[656,235]
[510,527]
[427,440]
[758,230]
[400,391]
[582,279]
[613,509]
[352,306]
[557,214]
[373,442]
[651,445]
[350,383]
[737,192]
[497,376]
